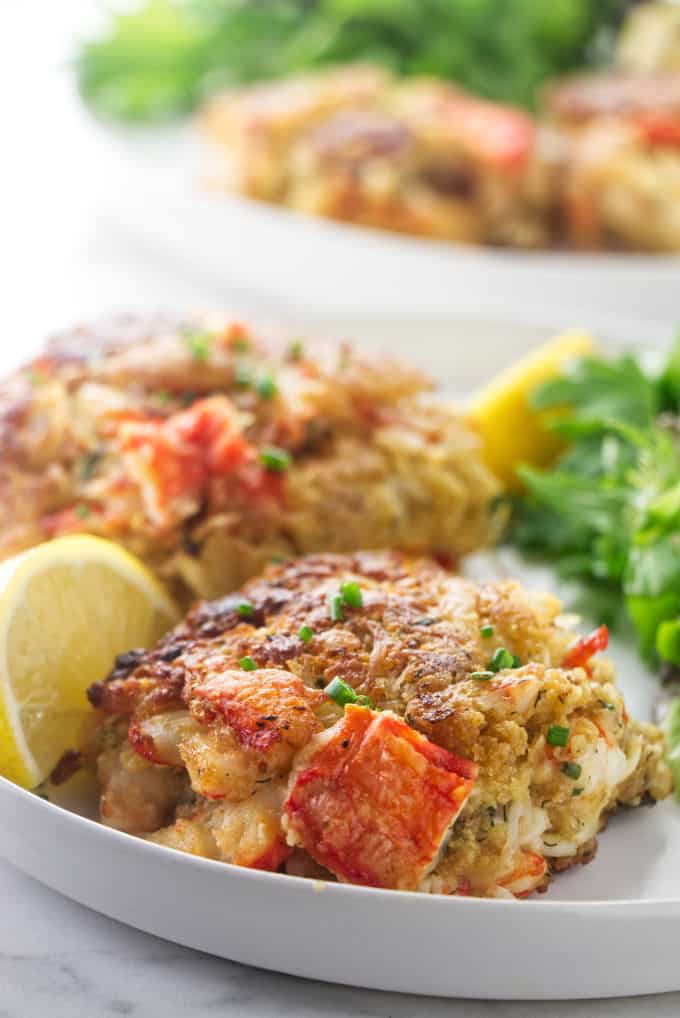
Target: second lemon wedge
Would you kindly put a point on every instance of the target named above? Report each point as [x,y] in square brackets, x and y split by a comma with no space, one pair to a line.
[67,608]
[511,431]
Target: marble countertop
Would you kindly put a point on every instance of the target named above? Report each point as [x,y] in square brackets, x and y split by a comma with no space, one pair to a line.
[61,960]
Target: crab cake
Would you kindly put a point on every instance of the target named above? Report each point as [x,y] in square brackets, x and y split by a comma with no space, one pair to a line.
[418,156]
[376,719]
[208,448]
[621,185]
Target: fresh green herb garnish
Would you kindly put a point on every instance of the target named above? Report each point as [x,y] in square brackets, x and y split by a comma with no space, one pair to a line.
[89,464]
[558,735]
[161,57]
[572,770]
[247,664]
[275,459]
[305,633]
[266,387]
[501,659]
[487,631]
[342,693]
[336,607]
[198,344]
[243,376]
[351,594]
[608,511]
[245,609]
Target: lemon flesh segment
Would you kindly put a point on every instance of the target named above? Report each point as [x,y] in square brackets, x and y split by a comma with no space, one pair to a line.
[67,608]
[511,431]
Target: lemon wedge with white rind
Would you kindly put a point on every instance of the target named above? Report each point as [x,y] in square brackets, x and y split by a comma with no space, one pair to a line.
[67,608]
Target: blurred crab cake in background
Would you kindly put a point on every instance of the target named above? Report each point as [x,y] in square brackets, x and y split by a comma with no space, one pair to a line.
[208,448]
[418,156]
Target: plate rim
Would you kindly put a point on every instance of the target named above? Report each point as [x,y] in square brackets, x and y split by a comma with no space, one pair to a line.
[606,908]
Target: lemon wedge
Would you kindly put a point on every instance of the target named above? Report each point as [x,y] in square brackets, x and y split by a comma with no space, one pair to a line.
[67,608]
[511,431]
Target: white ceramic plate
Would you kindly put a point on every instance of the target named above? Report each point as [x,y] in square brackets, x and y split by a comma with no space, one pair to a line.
[607,929]
[317,265]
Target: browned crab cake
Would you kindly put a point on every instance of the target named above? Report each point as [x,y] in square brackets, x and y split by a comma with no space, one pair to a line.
[471,700]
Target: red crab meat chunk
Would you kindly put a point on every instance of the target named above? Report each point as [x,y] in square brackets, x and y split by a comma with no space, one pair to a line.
[269,711]
[173,459]
[373,801]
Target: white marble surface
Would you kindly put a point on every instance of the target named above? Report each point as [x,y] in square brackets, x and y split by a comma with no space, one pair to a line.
[60,960]
[56,958]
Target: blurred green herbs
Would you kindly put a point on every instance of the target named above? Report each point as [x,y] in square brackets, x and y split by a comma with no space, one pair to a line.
[608,511]
[160,59]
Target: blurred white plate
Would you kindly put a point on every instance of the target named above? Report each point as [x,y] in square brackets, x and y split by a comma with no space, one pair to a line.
[317,265]
[607,929]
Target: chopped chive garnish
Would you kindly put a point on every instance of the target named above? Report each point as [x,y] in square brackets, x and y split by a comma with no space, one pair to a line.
[247,664]
[482,676]
[198,344]
[245,609]
[88,465]
[557,735]
[351,594]
[335,607]
[82,511]
[486,631]
[266,387]
[296,350]
[502,659]
[342,693]
[274,458]
[572,770]
[243,377]
[305,633]
[577,791]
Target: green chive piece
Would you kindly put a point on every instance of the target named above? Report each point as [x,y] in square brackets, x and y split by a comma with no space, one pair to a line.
[274,458]
[351,594]
[88,465]
[572,770]
[558,736]
[296,350]
[502,659]
[341,692]
[82,511]
[482,676]
[198,344]
[305,633]
[245,609]
[243,377]
[266,387]
[335,607]
[487,631]
[247,664]
[577,791]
